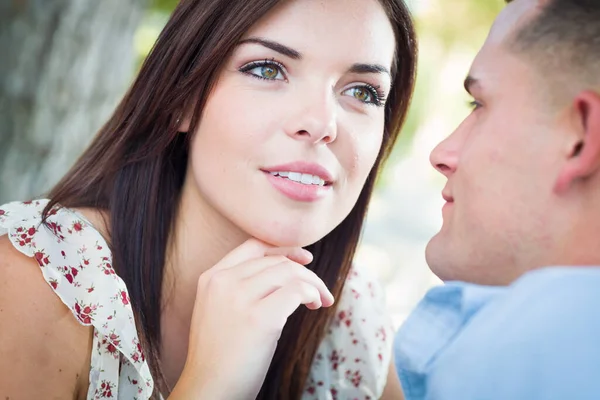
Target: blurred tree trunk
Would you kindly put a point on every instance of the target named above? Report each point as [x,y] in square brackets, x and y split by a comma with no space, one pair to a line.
[64,64]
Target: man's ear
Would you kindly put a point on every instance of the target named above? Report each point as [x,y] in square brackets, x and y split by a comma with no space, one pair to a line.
[584,156]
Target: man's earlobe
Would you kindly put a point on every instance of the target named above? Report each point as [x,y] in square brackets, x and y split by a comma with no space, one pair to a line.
[584,160]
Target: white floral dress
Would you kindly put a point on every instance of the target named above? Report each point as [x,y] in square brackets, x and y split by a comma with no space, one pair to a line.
[351,362]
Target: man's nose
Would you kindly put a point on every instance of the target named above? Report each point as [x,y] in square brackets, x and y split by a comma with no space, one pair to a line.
[444,156]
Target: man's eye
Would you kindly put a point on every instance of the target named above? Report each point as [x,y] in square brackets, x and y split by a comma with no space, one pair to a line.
[474,104]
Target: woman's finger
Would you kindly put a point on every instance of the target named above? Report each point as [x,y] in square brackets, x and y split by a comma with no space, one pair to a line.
[269,279]
[280,304]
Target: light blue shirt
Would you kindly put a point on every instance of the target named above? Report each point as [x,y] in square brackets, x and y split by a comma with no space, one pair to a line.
[537,339]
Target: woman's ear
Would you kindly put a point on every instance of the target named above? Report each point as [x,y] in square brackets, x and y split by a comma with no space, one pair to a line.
[183,122]
[584,156]
[184,117]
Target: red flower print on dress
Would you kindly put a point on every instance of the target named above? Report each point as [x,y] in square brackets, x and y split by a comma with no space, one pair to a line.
[336,358]
[111,344]
[69,273]
[124,297]
[381,334]
[138,356]
[355,377]
[356,355]
[105,391]
[39,257]
[345,317]
[371,289]
[334,393]
[107,267]
[310,386]
[56,229]
[77,226]
[111,348]
[85,313]
[24,235]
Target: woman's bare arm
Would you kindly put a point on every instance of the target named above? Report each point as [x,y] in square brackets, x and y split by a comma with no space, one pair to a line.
[392,390]
[44,351]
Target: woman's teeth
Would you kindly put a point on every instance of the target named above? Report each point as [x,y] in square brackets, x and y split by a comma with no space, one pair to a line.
[306,179]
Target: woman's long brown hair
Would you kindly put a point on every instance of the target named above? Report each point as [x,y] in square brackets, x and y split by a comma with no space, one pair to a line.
[135,166]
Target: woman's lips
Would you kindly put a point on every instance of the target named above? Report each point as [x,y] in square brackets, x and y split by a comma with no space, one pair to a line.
[296,190]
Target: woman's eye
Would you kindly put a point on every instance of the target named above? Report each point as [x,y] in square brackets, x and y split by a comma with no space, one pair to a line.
[268,70]
[365,94]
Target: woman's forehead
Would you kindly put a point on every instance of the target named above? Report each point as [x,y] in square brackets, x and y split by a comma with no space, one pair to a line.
[357,29]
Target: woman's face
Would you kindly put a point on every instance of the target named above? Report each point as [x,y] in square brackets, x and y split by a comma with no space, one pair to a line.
[295,122]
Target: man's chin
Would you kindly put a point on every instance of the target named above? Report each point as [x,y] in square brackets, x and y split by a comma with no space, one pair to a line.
[439,258]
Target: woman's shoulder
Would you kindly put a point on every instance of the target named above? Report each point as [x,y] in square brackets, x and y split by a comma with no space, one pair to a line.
[353,358]
[44,350]
[64,244]
[76,264]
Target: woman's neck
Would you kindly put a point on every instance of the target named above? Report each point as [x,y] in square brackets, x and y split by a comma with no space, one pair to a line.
[201,238]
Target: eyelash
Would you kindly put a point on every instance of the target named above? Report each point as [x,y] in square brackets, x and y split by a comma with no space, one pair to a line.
[264,63]
[474,104]
[375,91]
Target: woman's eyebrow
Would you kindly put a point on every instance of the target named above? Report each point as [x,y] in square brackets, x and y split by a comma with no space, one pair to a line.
[368,69]
[275,46]
[358,68]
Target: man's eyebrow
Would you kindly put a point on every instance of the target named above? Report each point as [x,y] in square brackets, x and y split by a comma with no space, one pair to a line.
[469,83]
[368,69]
[278,47]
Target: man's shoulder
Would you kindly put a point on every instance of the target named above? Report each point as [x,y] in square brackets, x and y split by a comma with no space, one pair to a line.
[472,341]
[536,339]
[545,321]
[542,308]
[565,297]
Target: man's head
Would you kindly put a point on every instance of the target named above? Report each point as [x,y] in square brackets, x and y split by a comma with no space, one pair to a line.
[523,168]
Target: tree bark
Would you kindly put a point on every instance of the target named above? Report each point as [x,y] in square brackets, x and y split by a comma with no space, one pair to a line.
[64,64]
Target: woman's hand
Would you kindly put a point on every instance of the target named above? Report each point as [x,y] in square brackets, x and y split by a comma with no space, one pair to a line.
[241,306]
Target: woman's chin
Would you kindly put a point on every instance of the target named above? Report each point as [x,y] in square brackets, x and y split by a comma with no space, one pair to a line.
[287,239]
